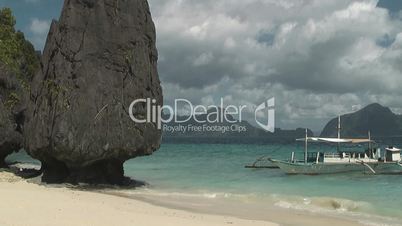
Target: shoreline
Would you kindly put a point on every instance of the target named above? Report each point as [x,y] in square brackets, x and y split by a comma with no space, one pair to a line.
[25,203]
[243,210]
[28,203]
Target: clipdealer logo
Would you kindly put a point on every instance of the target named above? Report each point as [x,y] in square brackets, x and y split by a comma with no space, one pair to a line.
[200,114]
[269,107]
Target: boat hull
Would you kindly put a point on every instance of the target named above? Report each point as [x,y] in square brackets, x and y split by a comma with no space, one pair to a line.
[334,168]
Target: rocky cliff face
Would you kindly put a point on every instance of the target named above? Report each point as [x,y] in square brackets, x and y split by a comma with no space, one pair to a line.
[99,57]
[10,112]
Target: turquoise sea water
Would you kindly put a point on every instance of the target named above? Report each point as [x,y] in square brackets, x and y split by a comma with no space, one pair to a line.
[216,172]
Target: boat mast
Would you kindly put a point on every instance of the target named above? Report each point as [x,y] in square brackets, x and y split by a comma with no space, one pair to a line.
[369,145]
[339,131]
[306,147]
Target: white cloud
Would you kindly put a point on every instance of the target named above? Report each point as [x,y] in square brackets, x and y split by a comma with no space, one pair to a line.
[39,29]
[319,58]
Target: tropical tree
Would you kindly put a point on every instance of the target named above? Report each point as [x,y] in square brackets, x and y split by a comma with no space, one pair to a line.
[17,55]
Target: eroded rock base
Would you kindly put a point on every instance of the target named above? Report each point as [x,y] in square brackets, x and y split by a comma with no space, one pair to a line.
[102,172]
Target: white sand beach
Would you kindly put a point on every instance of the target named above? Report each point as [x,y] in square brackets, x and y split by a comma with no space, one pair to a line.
[26,203]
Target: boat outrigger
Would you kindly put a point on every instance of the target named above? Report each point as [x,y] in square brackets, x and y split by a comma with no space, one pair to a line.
[369,161]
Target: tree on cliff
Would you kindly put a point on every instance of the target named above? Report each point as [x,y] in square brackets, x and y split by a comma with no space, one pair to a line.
[15,52]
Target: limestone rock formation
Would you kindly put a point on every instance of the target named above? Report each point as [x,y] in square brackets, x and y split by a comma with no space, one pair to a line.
[98,58]
[18,63]
[10,112]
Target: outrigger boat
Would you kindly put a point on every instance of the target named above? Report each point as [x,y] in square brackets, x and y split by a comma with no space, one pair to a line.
[346,161]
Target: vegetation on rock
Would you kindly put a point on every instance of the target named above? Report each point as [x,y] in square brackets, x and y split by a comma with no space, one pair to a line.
[16,53]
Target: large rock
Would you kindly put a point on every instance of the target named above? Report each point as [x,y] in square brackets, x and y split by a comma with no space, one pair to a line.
[10,114]
[99,57]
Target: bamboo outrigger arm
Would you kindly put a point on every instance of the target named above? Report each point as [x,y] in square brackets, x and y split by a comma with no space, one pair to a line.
[368,166]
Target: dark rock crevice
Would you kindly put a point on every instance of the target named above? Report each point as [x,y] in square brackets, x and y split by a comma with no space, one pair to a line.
[11,114]
[106,171]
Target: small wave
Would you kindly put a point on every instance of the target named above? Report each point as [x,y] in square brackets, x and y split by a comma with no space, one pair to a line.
[200,194]
[328,203]
[363,211]
[27,166]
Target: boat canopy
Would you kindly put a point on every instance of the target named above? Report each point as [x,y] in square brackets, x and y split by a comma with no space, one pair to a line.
[393,149]
[335,140]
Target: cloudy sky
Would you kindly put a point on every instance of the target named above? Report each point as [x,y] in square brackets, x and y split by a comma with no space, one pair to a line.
[317,58]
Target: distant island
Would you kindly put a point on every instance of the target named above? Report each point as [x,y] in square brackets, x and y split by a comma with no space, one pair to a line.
[382,123]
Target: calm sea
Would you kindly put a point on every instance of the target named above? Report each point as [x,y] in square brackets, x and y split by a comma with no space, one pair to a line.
[213,171]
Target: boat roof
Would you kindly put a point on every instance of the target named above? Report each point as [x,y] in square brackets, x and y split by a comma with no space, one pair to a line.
[393,149]
[336,140]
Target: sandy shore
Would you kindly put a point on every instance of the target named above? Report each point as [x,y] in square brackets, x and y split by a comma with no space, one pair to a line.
[27,203]
[23,203]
